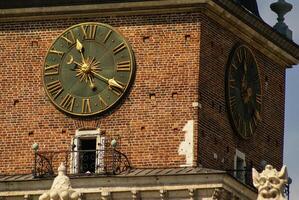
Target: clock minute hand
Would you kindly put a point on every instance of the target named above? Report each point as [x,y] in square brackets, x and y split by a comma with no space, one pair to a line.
[111,82]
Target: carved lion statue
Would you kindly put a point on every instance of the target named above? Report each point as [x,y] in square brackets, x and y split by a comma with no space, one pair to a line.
[61,188]
[270,183]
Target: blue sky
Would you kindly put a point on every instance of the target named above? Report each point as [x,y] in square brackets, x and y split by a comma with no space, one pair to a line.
[291,145]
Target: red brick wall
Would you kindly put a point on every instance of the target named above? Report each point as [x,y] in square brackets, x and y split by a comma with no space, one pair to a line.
[168,56]
[215,132]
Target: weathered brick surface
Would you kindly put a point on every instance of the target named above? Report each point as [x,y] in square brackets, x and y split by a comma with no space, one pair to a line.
[215,133]
[180,59]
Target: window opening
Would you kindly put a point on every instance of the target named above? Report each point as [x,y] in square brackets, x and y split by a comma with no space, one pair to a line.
[88,152]
[87,155]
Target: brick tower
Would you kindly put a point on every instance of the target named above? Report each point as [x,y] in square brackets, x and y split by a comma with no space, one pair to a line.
[196,86]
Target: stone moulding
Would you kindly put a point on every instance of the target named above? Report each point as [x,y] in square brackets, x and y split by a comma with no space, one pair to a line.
[252,29]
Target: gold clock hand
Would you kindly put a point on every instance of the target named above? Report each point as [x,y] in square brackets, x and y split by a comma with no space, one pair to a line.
[79,47]
[91,85]
[111,82]
[100,76]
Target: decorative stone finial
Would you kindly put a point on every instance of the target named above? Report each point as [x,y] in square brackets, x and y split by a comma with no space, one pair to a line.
[281,8]
[61,188]
[270,183]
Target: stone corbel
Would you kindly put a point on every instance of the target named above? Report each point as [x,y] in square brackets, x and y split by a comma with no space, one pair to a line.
[191,194]
[105,195]
[163,194]
[135,195]
[27,197]
[221,194]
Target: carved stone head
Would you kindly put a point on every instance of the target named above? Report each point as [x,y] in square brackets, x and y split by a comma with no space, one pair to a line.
[270,183]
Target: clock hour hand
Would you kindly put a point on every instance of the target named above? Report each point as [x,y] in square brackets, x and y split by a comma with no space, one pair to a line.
[79,47]
[111,82]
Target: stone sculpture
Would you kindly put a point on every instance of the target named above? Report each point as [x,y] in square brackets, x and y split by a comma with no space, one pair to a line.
[61,188]
[270,183]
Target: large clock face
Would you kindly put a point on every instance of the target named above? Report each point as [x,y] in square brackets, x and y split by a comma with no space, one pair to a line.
[243,91]
[88,68]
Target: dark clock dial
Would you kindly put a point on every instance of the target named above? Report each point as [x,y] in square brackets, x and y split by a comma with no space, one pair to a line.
[88,68]
[243,91]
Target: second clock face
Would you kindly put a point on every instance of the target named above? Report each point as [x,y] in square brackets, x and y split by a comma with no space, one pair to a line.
[88,69]
[243,91]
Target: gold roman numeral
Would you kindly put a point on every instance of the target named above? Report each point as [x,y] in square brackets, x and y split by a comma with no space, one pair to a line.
[239,55]
[69,38]
[250,128]
[245,128]
[54,88]
[124,66]
[103,103]
[232,101]
[89,31]
[51,69]
[68,102]
[259,98]
[107,36]
[232,83]
[119,48]
[55,51]
[86,106]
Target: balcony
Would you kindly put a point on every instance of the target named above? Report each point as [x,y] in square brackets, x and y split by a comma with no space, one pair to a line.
[85,161]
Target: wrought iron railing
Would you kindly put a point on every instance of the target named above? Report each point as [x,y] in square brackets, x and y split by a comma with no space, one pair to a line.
[81,162]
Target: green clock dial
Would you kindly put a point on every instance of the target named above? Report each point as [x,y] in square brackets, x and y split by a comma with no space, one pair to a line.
[88,69]
[243,91]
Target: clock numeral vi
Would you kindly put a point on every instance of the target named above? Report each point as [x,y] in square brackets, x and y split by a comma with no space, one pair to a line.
[55,88]
[103,103]
[86,106]
[68,102]
[51,69]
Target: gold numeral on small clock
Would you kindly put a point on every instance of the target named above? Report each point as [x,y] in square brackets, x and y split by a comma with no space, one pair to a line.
[51,69]
[232,83]
[234,66]
[68,102]
[89,31]
[55,51]
[107,36]
[86,106]
[119,48]
[55,88]
[124,66]
[103,103]
[69,38]
[250,128]
[239,56]
[245,128]
[259,98]
[232,101]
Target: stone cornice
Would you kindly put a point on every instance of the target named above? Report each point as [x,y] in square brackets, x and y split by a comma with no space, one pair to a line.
[116,184]
[238,20]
